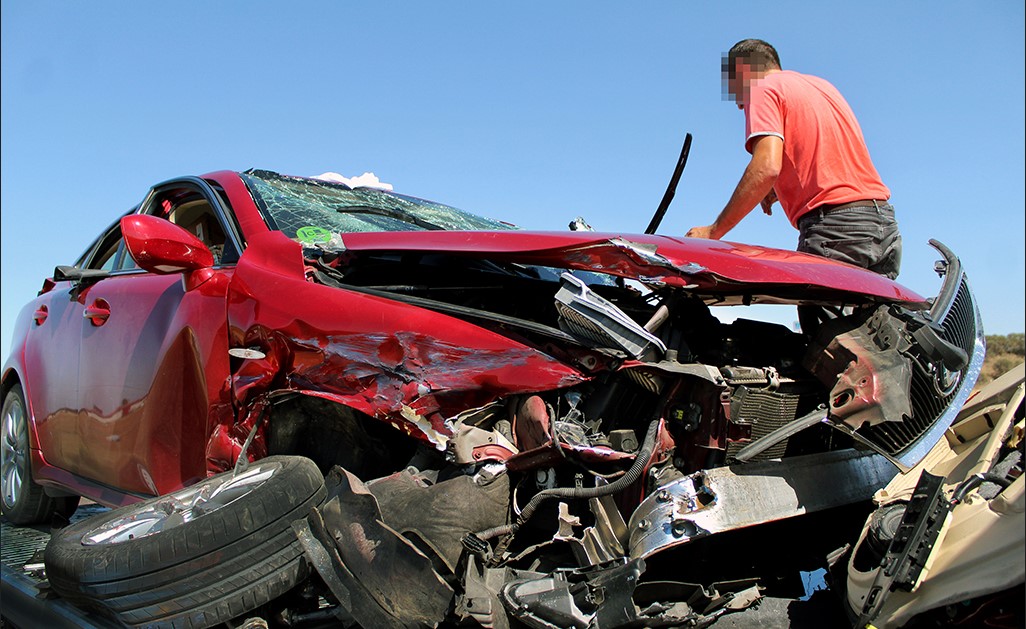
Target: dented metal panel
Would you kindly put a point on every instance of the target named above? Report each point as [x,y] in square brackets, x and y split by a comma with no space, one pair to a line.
[374,354]
[712,266]
[728,498]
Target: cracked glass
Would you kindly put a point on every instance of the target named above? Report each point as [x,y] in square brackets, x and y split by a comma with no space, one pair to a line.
[312,210]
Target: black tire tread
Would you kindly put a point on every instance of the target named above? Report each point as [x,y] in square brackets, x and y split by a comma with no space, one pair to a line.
[157,587]
[200,573]
[276,575]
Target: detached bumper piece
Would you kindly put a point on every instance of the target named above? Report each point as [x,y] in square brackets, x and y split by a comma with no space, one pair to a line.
[381,578]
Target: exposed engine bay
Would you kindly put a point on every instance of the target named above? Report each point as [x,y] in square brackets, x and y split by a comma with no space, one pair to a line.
[670,426]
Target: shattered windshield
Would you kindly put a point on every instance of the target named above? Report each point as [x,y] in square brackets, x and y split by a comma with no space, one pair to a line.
[312,210]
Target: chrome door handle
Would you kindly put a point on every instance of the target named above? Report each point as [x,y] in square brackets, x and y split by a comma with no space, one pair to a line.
[98,313]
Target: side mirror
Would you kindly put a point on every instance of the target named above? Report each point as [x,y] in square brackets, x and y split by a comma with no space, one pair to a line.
[159,246]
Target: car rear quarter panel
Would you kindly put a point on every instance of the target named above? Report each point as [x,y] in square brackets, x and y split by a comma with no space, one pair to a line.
[46,358]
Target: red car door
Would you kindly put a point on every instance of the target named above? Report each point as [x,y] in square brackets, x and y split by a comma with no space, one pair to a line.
[144,401]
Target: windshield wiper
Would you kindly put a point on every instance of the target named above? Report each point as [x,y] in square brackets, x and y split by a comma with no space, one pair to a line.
[390,213]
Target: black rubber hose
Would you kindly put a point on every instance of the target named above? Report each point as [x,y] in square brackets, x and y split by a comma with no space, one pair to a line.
[975,481]
[582,493]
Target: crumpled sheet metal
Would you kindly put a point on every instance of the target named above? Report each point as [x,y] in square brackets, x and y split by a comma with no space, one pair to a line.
[423,371]
[409,379]
[480,600]
[411,367]
[874,383]
[673,261]
[619,256]
[386,580]
[228,437]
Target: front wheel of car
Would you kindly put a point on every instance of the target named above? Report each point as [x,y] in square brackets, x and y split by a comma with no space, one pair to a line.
[22,501]
[196,557]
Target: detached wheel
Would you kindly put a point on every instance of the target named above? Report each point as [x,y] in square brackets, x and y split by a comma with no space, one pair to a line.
[196,557]
[22,501]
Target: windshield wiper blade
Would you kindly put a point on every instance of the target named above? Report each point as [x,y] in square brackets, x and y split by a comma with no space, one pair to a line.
[390,213]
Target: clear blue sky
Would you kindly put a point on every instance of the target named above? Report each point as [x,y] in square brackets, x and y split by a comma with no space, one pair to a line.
[534,112]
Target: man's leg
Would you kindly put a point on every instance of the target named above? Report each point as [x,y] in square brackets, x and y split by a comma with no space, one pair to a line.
[864,236]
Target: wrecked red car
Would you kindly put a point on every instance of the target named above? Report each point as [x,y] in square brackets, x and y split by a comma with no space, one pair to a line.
[312,401]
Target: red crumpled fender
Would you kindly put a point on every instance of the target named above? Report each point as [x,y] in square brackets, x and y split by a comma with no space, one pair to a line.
[411,367]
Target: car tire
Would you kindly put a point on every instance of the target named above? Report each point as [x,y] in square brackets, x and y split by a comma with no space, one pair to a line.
[22,501]
[196,557]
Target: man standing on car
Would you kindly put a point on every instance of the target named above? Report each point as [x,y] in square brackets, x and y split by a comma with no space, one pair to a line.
[807,152]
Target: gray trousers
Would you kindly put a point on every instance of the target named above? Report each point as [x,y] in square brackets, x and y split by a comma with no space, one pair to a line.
[864,236]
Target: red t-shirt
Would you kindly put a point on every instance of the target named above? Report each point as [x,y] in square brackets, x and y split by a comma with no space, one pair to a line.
[825,156]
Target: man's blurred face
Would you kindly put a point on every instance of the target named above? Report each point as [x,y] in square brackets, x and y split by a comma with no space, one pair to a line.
[737,80]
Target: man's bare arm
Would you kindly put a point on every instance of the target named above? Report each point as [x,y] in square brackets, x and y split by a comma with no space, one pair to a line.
[756,182]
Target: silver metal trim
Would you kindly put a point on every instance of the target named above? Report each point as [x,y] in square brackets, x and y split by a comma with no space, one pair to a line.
[727,498]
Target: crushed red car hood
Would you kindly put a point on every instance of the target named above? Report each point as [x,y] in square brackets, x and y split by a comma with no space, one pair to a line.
[709,266]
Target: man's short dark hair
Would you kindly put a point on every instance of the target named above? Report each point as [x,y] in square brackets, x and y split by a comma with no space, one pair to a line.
[755,52]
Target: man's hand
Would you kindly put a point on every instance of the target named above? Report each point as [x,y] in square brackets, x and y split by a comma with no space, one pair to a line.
[705,231]
[755,188]
[768,201]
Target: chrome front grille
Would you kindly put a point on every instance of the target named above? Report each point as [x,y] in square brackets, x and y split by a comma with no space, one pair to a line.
[936,395]
[960,325]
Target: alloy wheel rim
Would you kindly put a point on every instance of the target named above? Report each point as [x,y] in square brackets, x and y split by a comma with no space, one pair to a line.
[13,453]
[180,507]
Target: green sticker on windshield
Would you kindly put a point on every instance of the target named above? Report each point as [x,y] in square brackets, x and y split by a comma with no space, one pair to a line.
[312,235]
